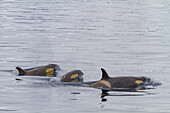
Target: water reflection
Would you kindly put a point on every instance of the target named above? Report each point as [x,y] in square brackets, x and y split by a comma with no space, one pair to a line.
[123,92]
[6,110]
[104,93]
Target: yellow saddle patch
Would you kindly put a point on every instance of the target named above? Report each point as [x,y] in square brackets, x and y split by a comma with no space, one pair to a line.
[76,80]
[138,88]
[74,76]
[50,72]
[49,75]
[138,81]
[106,83]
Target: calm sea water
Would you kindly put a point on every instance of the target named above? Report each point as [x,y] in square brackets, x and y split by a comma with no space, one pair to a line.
[126,37]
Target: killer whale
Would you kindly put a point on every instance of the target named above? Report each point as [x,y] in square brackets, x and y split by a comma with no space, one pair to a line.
[73,76]
[47,72]
[123,83]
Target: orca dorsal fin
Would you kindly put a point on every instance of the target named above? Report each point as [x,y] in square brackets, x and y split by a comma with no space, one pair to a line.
[21,71]
[104,74]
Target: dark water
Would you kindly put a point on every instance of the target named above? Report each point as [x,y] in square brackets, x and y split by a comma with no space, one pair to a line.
[126,37]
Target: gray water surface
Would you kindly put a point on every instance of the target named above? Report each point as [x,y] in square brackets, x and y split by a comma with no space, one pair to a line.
[125,37]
